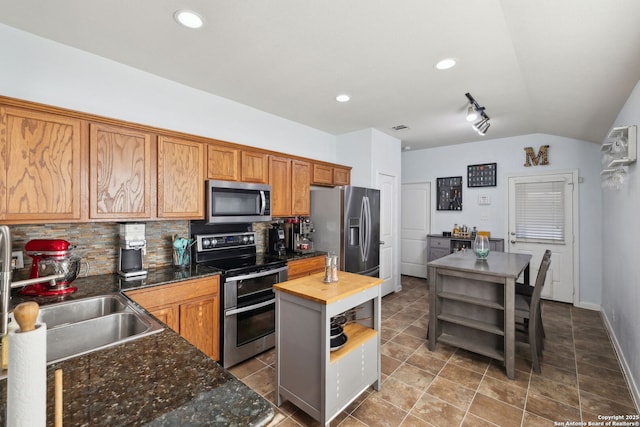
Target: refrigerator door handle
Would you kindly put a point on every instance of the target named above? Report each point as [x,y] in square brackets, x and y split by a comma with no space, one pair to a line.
[361,230]
[367,227]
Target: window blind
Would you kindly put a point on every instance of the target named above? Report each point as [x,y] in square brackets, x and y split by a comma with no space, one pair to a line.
[540,211]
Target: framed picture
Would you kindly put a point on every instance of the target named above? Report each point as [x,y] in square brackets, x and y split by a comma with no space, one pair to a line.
[449,193]
[482,175]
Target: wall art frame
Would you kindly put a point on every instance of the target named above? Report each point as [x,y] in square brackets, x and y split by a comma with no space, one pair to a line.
[482,175]
[449,197]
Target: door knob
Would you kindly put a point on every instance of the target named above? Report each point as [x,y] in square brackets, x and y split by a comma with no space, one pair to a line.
[513,241]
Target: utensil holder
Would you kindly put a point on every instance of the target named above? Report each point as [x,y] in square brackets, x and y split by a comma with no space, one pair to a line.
[181,258]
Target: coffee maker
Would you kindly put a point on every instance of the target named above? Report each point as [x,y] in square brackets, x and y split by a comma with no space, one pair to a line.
[277,240]
[133,247]
[298,234]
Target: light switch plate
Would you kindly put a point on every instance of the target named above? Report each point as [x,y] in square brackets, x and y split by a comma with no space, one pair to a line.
[484,200]
[16,260]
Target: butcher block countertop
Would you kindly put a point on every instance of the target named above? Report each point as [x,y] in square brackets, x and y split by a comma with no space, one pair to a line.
[313,287]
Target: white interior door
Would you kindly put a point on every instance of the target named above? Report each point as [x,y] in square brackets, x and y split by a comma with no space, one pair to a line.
[388,232]
[541,216]
[415,225]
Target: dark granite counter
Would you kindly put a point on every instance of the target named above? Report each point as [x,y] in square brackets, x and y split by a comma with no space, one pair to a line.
[158,380]
[292,256]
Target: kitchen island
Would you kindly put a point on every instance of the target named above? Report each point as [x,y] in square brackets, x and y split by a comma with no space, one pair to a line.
[158,380]
[309,374]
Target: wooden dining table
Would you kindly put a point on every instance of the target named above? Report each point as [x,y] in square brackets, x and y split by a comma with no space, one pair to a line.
[472,303]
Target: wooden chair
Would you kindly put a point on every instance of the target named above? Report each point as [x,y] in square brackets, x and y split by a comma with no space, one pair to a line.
[528,309]
[527,290]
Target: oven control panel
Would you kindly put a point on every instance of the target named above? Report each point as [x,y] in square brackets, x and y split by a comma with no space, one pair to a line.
[212,242]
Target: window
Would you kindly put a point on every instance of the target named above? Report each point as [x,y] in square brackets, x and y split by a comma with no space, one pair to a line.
[540,211]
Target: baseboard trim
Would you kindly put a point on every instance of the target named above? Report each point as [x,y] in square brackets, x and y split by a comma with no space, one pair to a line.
[635,391]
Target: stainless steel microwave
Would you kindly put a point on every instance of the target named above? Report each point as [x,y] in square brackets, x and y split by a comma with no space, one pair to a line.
[235,202]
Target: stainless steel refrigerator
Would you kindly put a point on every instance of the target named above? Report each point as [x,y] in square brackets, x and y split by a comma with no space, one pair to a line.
[347,222]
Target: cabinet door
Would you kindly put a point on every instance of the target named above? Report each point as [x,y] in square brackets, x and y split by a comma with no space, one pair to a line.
[254,167]
[341,176]
[198,325]
[169,316]
[119,172]
[41,178]
[280,180]
[223,163]
[300,188]
[180,178]
[437,253]
[322,174]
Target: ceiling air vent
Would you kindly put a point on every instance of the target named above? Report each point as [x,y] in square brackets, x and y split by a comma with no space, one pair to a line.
[400,127]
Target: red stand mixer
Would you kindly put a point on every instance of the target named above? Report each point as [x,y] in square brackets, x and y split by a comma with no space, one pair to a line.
[51,256]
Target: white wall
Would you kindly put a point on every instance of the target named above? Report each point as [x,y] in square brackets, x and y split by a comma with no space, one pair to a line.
[40,70]
[564,154]
[621,269]
[371,152]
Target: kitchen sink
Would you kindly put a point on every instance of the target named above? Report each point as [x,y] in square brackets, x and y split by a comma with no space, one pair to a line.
[84,309]
[75,339]
[82,326]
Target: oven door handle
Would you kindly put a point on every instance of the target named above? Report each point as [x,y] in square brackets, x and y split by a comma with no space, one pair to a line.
[229,313]
[258,274]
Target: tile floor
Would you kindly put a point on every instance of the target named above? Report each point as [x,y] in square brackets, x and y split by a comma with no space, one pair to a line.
[580,378]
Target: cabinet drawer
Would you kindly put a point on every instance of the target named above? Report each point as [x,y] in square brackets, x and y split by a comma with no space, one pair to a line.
[159,296]
[306,266]
[435,242]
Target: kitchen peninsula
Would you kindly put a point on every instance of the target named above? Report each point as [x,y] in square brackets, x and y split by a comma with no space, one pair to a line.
[305,308]
[158,380]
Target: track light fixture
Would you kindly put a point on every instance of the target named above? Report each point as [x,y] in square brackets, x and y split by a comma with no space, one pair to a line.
[472,114]
[473,111]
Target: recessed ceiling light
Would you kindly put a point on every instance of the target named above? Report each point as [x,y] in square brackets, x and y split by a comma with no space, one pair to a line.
[188,18]
[343,97]
[445,64]
[407,148]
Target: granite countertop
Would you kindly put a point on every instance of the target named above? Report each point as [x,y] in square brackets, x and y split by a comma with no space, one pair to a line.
[293,256]
[158,380]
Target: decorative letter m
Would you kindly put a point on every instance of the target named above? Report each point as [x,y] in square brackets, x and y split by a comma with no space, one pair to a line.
[541,159]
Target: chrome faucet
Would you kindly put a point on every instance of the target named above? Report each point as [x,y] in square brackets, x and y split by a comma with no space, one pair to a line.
[5,278]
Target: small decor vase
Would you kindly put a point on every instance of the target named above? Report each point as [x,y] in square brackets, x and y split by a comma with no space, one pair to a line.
[481,246]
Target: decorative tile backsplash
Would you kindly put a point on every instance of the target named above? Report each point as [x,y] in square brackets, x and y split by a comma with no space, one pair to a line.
[99,242]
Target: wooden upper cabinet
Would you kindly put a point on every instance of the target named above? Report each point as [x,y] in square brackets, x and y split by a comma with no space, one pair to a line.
[341,176]
[300,188]
[119,172]
[180,178]
[223,163]
[41,166]
[254,167]
[290,186]
[322,174]
[280,180]
[330,175]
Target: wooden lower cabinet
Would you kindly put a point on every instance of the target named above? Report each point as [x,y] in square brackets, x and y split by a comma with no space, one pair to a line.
[305,267]
[191,308]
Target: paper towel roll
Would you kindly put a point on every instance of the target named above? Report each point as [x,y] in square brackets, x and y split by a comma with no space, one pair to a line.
[27,378]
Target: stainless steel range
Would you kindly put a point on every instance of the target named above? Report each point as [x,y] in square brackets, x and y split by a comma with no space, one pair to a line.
[248,302]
